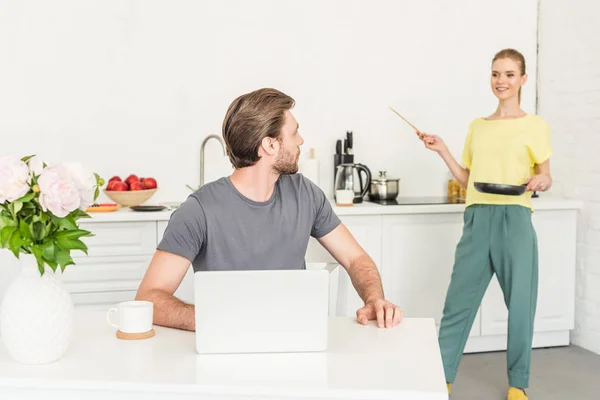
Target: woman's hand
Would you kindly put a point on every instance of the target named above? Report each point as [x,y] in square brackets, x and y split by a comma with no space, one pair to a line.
[433,142]
[539,183]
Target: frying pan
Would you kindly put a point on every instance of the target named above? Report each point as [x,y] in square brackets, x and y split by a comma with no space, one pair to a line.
[498,188]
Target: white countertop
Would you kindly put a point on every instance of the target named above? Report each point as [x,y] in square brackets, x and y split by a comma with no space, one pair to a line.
[365,208]
[362,362]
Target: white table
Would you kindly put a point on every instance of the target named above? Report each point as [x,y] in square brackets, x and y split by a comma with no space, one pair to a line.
[362,362]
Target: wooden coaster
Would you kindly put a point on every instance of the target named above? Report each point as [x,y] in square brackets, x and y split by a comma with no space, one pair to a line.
[135,336]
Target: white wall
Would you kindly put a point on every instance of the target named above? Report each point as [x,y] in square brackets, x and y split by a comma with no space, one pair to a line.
[570,100]
[135,86]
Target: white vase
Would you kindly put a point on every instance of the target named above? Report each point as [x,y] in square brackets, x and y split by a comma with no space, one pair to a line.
[36,316]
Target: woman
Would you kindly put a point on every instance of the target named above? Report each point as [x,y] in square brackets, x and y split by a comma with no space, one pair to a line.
[509,147]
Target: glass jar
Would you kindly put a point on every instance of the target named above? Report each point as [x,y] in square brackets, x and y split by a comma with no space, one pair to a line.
[453,191]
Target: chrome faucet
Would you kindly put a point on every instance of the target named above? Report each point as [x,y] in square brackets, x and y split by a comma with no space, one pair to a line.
[202,154]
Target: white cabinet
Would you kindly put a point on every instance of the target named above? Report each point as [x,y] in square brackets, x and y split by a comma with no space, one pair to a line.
[118,256]
[366,229]
[556,289]
[118,239]
[418,256]
[415,254]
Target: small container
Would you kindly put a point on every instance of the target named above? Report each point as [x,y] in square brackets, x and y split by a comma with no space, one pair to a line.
[454,189]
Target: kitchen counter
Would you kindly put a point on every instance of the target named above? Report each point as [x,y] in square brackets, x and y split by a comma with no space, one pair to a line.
[362,362]
[399,239]
[365,208]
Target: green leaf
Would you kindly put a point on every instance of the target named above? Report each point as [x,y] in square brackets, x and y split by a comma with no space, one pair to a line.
[81,214]
[38,253]
[30,205]
[27,212]
[49,251]
[6,221]
[37,229]
[96,194]
[72,234]
[26,198]
[71,244]
[6,234]
[67,222]
[17,205]
[63,259]
[24,230]
[15,243]
[51,263]
[27,158]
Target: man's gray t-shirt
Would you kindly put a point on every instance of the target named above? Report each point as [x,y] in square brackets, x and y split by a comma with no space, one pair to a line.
[217,228]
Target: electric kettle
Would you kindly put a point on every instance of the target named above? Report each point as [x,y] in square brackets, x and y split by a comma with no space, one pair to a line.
[350,177]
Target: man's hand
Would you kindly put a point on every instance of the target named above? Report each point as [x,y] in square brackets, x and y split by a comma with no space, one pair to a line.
[387,314]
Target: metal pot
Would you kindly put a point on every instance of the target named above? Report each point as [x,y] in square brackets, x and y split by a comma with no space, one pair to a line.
[384,188]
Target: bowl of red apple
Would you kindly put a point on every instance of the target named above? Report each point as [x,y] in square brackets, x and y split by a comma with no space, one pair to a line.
[132,191]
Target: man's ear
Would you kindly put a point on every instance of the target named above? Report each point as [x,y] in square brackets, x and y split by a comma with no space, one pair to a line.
[269,146]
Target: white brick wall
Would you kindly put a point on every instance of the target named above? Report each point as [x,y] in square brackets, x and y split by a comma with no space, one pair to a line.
[569,99]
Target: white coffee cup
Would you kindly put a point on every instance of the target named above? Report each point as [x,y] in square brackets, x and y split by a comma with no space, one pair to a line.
[133,316]
[344,197]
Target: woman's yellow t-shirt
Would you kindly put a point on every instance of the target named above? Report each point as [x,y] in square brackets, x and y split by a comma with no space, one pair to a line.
[504,151]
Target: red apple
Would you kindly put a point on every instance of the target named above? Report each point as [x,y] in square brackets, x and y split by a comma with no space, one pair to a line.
[120,187]
[136,185]
[111,184]
[149,183]
[132,178]
[115,178]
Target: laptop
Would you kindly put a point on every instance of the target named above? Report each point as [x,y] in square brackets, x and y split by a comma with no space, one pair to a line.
[262,311]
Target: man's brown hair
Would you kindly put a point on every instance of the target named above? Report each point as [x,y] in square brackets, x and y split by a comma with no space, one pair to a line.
[250,118]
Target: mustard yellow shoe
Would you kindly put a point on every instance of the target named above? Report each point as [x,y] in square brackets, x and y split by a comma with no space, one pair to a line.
[448,386]
[516,394]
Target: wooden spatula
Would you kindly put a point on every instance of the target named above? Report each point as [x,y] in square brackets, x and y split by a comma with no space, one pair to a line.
[408,122]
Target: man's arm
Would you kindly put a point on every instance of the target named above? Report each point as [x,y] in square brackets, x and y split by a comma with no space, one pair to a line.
[364,276]
[163,277]
[362,270]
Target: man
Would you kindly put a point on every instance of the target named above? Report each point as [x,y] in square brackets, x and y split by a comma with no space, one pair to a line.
[260,217]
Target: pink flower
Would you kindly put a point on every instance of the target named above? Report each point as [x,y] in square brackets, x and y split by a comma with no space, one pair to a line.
[36,166]
[14,179]
[85,181]
[58,191]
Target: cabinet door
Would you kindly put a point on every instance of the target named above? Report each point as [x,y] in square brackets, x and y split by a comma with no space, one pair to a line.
[417,260]
[101,301]
[556,232]
[118,239]
[105,274]
[366,229]
[161,226]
